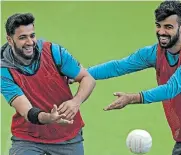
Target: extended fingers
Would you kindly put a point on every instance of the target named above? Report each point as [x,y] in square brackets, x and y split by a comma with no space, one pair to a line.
[111,106]
[62,108]
[64,121]
[117,104]
[70,115]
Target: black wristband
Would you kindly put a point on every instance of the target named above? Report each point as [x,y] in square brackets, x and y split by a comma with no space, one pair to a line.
[141,97]
[33,115]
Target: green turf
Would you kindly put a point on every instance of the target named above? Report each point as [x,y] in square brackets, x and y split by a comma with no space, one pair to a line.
[95,32]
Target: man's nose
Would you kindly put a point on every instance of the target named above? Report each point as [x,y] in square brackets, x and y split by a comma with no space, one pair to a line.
[29,41]
[161,31]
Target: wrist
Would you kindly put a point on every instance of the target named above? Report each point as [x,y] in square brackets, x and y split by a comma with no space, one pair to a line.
[33,114]
[136,98]
[141,98]
[77,101]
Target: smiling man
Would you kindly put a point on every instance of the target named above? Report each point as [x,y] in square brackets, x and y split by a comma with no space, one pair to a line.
[33,81]
[165,57]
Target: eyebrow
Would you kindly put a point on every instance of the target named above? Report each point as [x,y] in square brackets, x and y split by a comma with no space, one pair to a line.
[23,35]
[164,25]
[168,25]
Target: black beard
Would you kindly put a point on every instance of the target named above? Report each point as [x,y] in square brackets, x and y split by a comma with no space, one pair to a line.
[172,42]
[20,53]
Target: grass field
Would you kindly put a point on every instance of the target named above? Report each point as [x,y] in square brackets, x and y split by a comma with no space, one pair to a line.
[96,32]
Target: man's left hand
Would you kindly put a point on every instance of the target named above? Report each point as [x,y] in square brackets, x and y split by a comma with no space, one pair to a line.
[69,109]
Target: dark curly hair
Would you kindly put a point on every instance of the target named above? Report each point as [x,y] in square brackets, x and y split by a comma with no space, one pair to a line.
[17,20]
[168,8]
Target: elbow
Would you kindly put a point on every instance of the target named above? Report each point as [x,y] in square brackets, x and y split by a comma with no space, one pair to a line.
[92,81]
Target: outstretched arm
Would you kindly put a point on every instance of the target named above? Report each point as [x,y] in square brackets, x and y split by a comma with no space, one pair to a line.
[141,59]
[163,92]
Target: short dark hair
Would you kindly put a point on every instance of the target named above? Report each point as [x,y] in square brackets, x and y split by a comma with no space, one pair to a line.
[17,20]
[168,8]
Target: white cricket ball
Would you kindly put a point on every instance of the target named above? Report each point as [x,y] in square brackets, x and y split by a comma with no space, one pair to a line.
[139,141]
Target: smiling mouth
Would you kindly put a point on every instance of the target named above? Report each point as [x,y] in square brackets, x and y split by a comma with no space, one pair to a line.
[28,49]
[164,39]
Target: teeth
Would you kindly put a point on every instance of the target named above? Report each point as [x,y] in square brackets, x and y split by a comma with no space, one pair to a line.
[163,37]
[28,48]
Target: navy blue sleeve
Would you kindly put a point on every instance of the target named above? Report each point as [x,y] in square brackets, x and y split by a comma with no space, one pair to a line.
[139,60]
[164,92]
[9,89]
[69,66]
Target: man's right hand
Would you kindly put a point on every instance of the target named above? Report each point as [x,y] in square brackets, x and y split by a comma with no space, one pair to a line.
[53,117]
[58,118]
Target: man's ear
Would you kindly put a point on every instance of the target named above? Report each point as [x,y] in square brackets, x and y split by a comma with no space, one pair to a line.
[10,40]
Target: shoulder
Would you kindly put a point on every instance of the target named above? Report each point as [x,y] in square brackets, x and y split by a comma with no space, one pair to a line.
[150,47]
[148,51]
[3,70]
[5,73]
[59,51]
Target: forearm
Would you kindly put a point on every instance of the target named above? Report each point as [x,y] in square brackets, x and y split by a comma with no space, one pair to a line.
[158,94]
[22,106]
[25,109]
[106,70]
[137,61]
[86,86]
[166,91]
